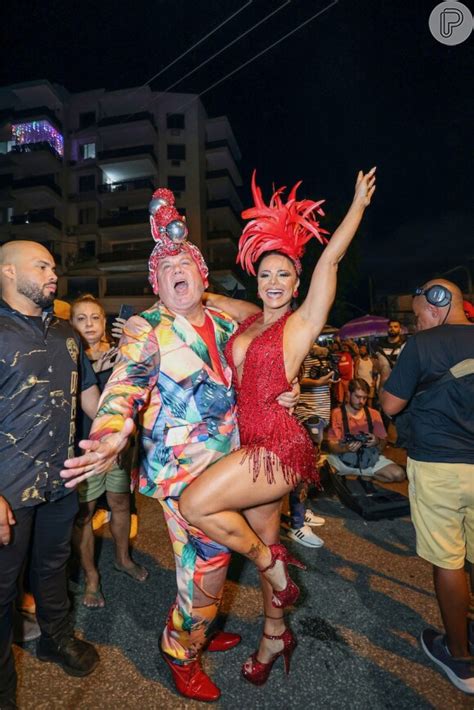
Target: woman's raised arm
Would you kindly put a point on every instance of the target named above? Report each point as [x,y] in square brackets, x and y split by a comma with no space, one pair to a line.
[308,321]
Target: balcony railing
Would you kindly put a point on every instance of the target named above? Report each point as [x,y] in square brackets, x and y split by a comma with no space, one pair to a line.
[124,218]
[125,255]
[127,118]
[129,152]
[126,287]
[127,186]
[35,217]
[215,204]
[35,147]
[37,181]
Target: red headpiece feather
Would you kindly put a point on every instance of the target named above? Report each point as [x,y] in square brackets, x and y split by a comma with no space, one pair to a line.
[278,226]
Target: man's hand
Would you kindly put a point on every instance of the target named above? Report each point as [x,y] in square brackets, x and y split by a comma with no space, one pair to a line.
[372,440]
[106,361]
[353,446]
[99,457]
[6,520]
[289,400]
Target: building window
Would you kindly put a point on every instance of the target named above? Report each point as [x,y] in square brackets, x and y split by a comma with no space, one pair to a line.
[87,215]
[177,183]
[86,183]
[6,146]
[176,151]
[87,151]
[87,249]
[6,213]
[175,120]
[86,119]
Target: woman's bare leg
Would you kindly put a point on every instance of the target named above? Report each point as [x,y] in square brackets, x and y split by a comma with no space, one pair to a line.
[212,501]
[265,521]
[120,528]
[84,542]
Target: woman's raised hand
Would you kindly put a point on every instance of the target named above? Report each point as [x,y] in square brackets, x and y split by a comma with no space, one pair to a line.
[365,187]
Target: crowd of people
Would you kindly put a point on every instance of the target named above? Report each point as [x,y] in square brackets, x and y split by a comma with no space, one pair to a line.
[205,388]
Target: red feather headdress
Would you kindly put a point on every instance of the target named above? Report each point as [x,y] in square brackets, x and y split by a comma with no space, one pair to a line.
[282,227]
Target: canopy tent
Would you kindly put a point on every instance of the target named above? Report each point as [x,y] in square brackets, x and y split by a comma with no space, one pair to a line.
[364,327]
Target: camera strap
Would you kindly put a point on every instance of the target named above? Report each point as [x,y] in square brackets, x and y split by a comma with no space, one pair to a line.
[345,419]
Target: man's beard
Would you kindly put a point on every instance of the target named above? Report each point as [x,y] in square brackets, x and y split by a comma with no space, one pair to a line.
[35,294]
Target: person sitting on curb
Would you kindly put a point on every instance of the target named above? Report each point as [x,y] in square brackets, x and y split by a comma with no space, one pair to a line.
[357,438]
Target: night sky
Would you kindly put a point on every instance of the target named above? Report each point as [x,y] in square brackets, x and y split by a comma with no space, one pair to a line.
[363,84]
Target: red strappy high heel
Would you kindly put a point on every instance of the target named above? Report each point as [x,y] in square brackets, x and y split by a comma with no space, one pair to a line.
[290,594]
[257,672]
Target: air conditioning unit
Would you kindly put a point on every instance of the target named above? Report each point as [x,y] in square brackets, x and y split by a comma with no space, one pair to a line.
[176,163]
[175,131]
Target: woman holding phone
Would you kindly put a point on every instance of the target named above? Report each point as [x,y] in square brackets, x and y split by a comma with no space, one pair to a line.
[88,318]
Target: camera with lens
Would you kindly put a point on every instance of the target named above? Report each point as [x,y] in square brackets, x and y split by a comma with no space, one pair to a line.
[321,370]
[362,437]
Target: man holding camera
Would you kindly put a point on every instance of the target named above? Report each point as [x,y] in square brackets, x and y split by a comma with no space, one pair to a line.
[357,438]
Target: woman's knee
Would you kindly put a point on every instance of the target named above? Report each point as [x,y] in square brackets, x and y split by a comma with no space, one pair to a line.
[85,514]
[187,507]
[119,502]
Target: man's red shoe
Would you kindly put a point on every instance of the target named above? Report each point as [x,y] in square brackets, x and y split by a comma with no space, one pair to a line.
[223,641]
[191,681]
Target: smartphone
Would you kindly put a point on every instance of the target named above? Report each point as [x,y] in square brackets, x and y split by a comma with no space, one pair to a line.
[126,311]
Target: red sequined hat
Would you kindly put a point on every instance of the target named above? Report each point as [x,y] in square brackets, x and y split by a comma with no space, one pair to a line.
[169,230]
[278,226]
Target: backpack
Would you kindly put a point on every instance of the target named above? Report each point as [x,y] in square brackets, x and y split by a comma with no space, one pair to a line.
[460,379]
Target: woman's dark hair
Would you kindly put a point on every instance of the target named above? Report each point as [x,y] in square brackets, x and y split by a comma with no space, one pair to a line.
[359,384]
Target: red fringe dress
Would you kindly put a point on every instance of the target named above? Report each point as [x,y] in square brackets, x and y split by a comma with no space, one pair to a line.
[268,433]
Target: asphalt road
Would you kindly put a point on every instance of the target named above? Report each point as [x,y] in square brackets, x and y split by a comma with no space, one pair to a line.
[366,598]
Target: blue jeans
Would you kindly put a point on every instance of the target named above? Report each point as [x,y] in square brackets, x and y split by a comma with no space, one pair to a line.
[298,505]
[297,498]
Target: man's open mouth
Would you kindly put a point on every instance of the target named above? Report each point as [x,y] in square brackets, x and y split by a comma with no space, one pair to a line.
[181,286]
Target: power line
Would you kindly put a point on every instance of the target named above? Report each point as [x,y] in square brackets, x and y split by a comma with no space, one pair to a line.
[183,54]
[216,54]
[256,56]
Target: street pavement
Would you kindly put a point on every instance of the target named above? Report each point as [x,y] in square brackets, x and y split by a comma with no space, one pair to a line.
[365,599]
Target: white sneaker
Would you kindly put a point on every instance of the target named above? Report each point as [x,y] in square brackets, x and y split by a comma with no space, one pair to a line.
[312,520]
[305,536]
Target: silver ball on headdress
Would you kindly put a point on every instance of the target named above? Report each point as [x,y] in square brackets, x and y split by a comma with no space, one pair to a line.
[177,230]
[156,203]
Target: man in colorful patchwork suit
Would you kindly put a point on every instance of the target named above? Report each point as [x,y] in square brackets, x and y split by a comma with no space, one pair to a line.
[173,374]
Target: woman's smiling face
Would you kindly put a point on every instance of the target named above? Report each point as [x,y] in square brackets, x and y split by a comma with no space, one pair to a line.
[277,280]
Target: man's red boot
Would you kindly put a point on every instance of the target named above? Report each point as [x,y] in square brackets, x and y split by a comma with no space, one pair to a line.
[191,681]
[223,641]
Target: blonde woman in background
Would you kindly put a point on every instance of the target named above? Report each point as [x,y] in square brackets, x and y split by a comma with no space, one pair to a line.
[89,319]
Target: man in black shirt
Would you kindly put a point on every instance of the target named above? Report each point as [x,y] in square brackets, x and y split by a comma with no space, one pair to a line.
[393,344]
[42,370]
[440,399]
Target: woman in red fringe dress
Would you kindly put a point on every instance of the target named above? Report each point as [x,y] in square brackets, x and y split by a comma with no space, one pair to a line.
[236,502]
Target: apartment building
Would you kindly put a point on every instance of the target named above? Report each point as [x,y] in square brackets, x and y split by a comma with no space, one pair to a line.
[77,171]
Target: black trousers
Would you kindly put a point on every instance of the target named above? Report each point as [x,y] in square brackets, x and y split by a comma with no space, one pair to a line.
[45,530]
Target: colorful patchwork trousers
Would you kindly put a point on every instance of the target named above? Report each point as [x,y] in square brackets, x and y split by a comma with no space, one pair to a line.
[201,570]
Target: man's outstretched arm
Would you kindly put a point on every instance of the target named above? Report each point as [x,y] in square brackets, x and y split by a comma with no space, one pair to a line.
[237,309]
[125,394]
